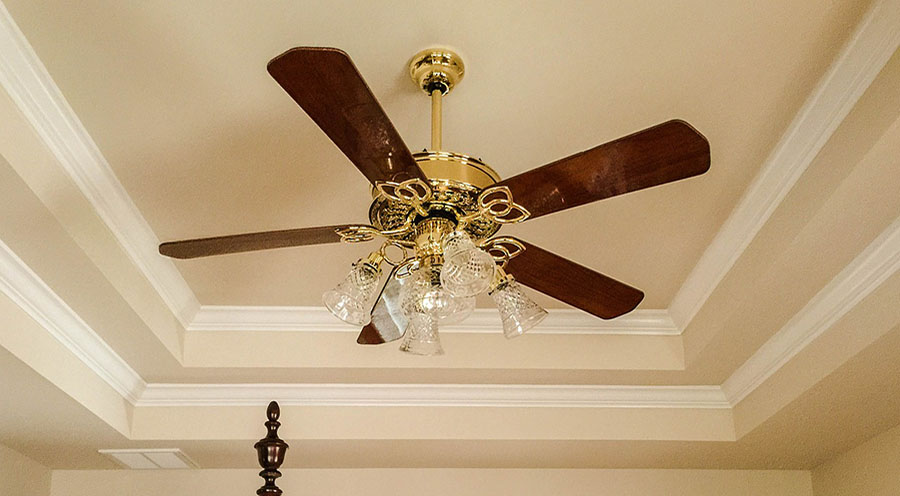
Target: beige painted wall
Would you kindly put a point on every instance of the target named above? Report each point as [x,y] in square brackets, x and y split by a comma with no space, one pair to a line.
[870,469]
[22,476]
[402,482]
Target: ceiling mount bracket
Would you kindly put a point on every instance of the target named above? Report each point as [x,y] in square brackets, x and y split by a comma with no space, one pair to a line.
[436,69]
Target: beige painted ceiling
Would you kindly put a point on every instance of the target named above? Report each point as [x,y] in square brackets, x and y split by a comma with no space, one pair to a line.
[178,99]
[176,96]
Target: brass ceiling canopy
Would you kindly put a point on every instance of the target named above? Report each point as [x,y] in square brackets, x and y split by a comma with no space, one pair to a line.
[436,68]
[438,211]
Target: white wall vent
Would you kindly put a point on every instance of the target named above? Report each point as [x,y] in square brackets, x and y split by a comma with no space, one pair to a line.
[150,458]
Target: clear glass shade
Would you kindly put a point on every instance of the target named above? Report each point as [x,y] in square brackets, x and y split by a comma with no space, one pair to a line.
[467,270]
[423,293]
[518,312]
[463,307]
[421,337]
[351,300]
[434,294]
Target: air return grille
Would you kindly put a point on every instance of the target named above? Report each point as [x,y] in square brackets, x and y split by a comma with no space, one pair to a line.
[143,459]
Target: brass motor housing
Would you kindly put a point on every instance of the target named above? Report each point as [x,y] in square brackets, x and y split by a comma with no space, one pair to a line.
[456,180]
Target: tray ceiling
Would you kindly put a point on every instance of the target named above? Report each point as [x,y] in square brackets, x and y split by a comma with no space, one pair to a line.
[769,281]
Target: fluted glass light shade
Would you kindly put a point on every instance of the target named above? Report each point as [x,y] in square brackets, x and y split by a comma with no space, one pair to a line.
[421,337]
[468,270]
[351,300]
[518,312]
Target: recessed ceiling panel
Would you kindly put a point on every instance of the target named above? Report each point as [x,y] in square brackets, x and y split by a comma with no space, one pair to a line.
[177,96]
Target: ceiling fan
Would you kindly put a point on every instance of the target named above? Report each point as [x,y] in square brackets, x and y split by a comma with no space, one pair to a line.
[439,211]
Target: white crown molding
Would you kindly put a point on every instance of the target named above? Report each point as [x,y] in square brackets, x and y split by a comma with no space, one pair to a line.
[27,290]
[864,274]
[33,295]
[39,99]
[313,319]
[872,267]
[860,61]
[438,395]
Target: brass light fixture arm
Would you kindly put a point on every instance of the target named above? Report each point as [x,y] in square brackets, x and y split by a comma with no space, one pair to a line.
[357,234]
[502,248]
[501,280]
[362,234]
[407,267]
[383,255]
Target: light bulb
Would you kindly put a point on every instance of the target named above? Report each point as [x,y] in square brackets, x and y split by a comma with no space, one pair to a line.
[518,312]
[422,293]
[463,307]
[467,270]
[351,299]
[421,337]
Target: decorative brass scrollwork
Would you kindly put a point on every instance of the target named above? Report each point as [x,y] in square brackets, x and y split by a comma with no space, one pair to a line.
[357,234]
[395,261]
[503,248]
[496,204]
[414,192]
[361,234]
[406,268]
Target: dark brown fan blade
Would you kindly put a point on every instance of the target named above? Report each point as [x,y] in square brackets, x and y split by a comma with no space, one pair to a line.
[237,243]
[326,84]
[661,154]
[388,322]
[574,284]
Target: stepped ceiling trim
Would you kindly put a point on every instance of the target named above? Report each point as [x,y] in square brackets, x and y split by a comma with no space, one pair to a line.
[29,292]
[879,261]
[30,86]
[864,274]
[483,320]
[862,58]
[419,395]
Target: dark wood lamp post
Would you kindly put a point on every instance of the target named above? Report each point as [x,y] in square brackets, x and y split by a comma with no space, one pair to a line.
[270,451]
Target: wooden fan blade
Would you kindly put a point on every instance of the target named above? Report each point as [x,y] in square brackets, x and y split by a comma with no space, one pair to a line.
[326,84]
[237,243]
[388,322]
[661,154]
[574,284]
